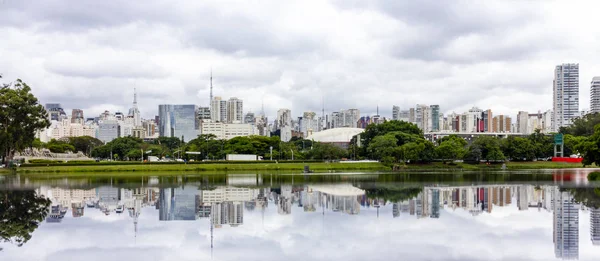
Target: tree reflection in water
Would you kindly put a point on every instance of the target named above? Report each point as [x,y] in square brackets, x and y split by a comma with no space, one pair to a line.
[21,212]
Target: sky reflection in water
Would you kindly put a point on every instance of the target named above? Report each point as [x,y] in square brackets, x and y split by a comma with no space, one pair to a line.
[344,220]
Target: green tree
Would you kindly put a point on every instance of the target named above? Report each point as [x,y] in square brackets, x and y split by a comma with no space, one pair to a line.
[517,148]
[119,147]
[489,148]
[85,144]
[59,146]
[134,154]
[374,130]
[326,151]
[582,126]
[571,144]
[542,143]
[21,116]
[590,148]
[383,147]
[451,149]
[21,212]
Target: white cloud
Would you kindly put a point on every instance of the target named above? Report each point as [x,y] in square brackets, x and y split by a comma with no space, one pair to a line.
[492,54]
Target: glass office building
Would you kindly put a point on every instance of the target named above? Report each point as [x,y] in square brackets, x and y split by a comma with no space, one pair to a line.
[178,121]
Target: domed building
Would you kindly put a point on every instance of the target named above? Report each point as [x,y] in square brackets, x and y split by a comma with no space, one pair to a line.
[340,137]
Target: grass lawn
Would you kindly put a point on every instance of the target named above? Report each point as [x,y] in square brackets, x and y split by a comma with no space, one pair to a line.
[317,167]
[290,167]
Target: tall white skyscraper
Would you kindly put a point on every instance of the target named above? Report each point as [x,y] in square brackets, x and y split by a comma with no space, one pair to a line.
[284,124]
[595,95]
[565,94]
[218,109]
[235,110]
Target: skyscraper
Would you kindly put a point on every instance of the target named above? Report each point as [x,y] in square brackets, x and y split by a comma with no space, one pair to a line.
[395,113]
[55,111]
[235,110]
[522,122]
[204,113]
[565,94]
[595,95]
[284,124]
[218,109]
[435,116]
[77,116]
[134,112]
[178,121]
[487,120]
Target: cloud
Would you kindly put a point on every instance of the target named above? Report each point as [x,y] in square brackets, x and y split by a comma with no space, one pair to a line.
[103,63]
[299,54]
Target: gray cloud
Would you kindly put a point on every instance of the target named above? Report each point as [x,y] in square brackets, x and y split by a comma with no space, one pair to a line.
[492,54]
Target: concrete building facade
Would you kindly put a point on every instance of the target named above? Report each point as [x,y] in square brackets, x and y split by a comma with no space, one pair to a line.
[565,94]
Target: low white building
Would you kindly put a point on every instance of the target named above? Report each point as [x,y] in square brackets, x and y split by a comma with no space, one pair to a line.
[227,130]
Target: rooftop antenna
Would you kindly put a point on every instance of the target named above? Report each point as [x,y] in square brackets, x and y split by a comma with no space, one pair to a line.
[135,98]
[211,87]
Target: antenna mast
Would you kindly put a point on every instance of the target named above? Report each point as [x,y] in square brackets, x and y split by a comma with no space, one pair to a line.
[134,98]
[211,87]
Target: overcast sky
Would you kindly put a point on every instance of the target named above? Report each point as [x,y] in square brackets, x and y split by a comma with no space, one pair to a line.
[293,54]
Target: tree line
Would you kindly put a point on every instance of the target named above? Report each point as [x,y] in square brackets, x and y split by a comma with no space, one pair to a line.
[403,142]
[211,148]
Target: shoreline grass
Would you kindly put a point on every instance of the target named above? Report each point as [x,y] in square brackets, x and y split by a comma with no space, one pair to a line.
[318,167]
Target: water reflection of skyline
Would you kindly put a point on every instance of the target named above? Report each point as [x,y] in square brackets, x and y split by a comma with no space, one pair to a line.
[225,205]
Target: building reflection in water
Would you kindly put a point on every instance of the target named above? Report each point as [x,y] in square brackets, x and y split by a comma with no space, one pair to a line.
[226,204]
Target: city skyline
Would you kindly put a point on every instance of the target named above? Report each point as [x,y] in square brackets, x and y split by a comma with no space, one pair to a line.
[375,54]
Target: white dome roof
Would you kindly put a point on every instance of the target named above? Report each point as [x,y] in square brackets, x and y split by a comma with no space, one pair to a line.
[335,135]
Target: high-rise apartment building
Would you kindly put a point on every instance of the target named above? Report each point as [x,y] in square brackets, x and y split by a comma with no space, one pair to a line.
[235,110]
[423,117]
[565,94]
[435,115]
[284,124]
[55,111]
[396,113]
[522,122]
[487,120]
[77,116]
[595,95]
[309,123]
[178,121]
[204,113]
[218,109]
[501,123]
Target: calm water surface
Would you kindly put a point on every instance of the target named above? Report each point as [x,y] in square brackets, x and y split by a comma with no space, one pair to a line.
[427,216]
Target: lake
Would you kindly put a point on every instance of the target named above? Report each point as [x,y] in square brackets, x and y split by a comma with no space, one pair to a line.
[524,215]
